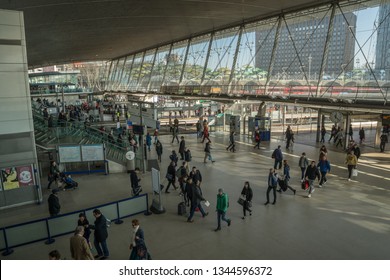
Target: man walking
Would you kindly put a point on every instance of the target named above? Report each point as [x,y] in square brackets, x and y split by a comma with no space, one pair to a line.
[100,235]
[311,174]
[182,147]
[54,203]
[222,206]
[277,155]
[232,144]
[79,247]
[272,184]
[324,167]
[196,198]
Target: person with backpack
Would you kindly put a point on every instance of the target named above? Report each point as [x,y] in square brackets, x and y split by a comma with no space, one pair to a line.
[324,167]
[221,208]
[384,139]
[286,175]
[257,139]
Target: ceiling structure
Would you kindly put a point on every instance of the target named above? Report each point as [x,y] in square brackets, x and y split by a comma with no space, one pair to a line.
[63,31]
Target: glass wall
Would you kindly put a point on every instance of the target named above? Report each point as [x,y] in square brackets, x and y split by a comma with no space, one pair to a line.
[332,50]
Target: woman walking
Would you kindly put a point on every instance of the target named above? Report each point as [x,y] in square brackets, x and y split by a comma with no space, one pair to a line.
[351,162]
[207,153]
[247,194]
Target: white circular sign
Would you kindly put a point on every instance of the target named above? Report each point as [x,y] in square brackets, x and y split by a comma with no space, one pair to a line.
[130,155]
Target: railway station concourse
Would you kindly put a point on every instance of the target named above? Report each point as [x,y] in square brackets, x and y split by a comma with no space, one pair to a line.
[325,62]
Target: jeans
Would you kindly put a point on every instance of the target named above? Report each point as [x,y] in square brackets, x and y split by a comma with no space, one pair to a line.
[221,215]
[323,178]
[311,186]
[102,251]
[192,212]
[303,169]
[273,188]
[278,163]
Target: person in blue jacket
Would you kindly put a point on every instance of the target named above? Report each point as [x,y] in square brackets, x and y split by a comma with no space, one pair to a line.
[324,167]
[148,141]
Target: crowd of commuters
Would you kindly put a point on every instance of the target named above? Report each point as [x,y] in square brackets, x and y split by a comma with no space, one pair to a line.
[190,183]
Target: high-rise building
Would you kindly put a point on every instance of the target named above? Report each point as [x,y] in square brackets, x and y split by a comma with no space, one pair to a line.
[309,37]
[382,61]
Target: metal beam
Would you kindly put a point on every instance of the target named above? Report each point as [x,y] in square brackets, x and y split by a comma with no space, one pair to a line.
[166,66]
[185,61]
[235,57]
[207,58]
[151,70]
[326,48]
[276,42]
[131,69]
[140,69]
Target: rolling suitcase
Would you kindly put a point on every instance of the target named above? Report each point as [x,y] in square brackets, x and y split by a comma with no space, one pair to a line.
[181,209]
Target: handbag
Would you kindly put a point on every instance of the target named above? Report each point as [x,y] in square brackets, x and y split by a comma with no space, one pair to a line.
[241,201]
[354,172]
[169,177]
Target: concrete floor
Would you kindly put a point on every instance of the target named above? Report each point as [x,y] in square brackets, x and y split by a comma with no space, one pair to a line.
[343,220]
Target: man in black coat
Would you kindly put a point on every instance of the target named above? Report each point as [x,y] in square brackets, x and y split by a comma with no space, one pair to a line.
[311,174]
[182,147]
[196,176]
[136,188]
[100,235]
[54,203]
[196,198]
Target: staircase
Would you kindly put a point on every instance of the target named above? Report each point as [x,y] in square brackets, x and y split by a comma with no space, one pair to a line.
[74,132]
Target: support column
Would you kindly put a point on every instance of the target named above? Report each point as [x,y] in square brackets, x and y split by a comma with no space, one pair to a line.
[318,134]
[121,74]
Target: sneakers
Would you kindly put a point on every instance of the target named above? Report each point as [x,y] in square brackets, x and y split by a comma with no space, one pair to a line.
[279,191]
[217,229]
[266,203]
[229,223]
[190,221]
[313,190]
[309,195]
[243,218]
[349,179]
[273,203]
[320,186]
[205,214]
[294,191]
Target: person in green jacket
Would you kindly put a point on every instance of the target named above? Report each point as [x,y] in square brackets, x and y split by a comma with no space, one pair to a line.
[222,206]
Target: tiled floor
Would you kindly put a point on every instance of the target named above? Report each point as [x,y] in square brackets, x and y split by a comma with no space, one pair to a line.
[343,220]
